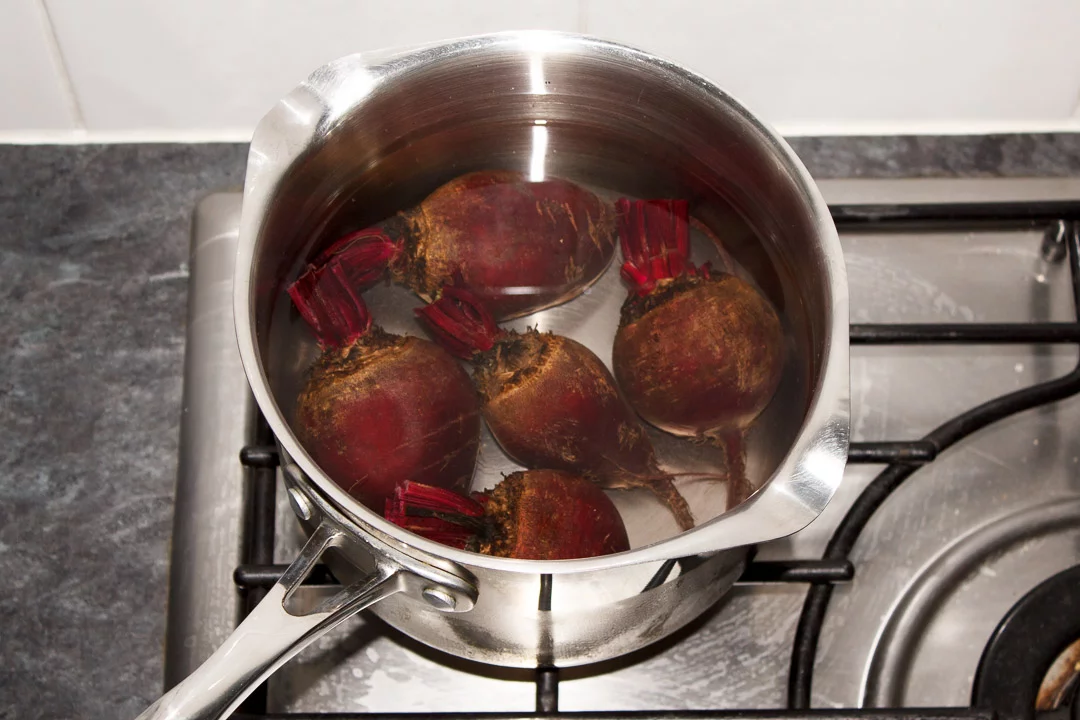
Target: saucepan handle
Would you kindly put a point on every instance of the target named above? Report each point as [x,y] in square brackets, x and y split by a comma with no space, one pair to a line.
[271,635]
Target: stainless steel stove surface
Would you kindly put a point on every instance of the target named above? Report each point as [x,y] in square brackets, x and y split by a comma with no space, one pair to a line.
[936,568]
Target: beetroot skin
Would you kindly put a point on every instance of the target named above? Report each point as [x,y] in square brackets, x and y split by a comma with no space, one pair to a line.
[521,246]
[697,353]
[531,515]
[550,402]
[377,408]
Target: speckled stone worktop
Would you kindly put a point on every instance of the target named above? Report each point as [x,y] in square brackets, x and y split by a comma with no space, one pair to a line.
[93,282]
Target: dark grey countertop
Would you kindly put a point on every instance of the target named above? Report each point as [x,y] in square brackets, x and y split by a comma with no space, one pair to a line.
[93,281]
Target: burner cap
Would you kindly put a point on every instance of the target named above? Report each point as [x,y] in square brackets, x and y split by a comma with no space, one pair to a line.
[1041,631]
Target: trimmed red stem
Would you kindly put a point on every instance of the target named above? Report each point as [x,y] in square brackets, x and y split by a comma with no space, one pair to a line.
[725,256]
[425,497]
[327,294]
[655,240]
[461,322]
[434,513]
[330,304]
[364,255]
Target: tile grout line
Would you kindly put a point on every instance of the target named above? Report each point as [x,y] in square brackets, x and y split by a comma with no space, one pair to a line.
[57,54]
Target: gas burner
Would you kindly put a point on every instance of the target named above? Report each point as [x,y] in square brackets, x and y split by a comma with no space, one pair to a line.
[1033,660]
[956,601]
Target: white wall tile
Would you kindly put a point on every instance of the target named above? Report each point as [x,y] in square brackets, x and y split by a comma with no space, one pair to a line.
[190,64]
[31,83]
[217,65]
[855,61]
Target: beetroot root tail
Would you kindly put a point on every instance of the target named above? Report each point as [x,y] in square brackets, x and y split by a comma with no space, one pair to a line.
[739,488]
[665,490]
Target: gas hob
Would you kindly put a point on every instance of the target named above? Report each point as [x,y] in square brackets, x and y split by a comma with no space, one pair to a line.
[954,538]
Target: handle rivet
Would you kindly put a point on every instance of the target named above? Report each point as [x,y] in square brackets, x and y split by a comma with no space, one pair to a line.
[439,598]
[300,504]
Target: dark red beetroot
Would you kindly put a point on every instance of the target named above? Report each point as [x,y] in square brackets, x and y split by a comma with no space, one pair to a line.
[697,353]
[531,515]
[378,408]
[521,246]
[550,402]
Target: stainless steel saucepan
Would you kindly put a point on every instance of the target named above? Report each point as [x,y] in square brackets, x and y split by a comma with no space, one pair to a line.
[362,136]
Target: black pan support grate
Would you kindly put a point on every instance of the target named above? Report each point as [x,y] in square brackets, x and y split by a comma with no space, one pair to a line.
[1061,240]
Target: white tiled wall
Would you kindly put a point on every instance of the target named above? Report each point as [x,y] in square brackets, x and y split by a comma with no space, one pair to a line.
[32,88]
[212,67]
[865,61]
[209,64]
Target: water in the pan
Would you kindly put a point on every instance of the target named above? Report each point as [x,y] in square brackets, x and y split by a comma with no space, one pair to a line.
[578,278]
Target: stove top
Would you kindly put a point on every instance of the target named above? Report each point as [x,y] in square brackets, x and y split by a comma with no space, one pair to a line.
[963,546]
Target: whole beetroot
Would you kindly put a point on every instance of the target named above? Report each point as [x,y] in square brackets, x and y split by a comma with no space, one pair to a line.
[521,246]
[378,408]
[550,402]
[697,353]
[531,515]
